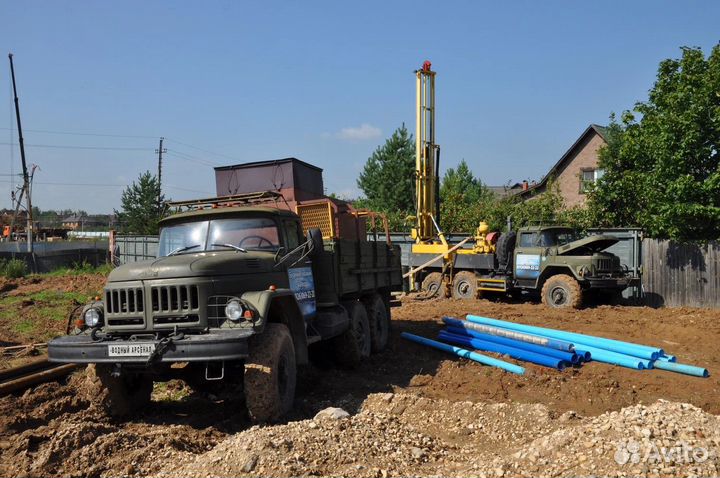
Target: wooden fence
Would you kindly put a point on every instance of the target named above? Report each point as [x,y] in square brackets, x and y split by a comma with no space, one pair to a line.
[681,274]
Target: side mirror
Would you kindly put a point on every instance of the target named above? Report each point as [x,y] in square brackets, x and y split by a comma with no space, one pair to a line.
[315,241]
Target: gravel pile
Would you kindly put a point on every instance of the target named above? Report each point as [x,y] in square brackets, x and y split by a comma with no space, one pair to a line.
[401,434]
[663,439]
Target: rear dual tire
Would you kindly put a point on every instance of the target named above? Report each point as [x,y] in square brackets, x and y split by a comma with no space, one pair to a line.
[355,344]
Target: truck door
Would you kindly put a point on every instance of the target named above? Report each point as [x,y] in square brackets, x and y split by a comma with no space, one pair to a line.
[300,276]
[528,258]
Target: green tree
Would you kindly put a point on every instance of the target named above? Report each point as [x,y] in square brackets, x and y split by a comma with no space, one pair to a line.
[662,172]
[463,199]
[388,178]
[142,206]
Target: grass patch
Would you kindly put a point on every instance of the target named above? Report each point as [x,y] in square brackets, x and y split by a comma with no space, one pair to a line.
[172,391]
[80,268]
[24,327]
[53,313]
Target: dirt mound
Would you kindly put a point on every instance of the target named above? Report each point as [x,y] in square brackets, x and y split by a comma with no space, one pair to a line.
[397,435]
[54,430]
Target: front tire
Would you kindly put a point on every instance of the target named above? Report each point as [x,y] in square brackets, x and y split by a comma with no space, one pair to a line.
[562,291]
[270,374]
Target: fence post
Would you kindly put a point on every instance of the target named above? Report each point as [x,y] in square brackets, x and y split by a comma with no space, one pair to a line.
[111,245]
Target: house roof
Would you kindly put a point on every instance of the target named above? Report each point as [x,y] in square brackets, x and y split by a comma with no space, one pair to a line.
[565,158]
[267,163]
[505,190]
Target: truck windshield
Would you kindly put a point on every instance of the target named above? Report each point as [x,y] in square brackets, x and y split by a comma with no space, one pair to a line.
[557,237]
[259,234]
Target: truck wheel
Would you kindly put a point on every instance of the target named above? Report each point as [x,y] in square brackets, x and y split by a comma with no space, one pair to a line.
[379,322]
[354,344]
[465,285]
[432,285]
[270,374]
[118,396]
[562,291]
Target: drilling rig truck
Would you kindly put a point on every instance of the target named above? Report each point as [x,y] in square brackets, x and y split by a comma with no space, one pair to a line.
[551,261]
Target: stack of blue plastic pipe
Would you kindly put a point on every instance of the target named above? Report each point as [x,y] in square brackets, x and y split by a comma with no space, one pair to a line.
[556,348]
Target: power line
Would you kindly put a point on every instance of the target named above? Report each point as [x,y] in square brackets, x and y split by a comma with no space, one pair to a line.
[58,146]
[192,159]
[203,150]
[105,185]
[86,134]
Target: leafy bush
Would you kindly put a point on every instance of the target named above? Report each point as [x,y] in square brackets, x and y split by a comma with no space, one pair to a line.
[13,269]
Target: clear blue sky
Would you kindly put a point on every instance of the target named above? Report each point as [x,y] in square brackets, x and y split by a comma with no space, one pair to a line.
[323,81]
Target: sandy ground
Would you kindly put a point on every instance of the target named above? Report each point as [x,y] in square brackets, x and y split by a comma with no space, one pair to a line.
[414,411]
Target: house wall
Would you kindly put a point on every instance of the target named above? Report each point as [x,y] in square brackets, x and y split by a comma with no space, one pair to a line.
[585,157]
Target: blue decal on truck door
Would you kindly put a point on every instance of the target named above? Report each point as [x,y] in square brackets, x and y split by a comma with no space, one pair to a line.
[527,266]
[302,284]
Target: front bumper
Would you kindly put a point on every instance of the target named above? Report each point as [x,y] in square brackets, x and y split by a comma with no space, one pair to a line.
[213,346]
[614,283]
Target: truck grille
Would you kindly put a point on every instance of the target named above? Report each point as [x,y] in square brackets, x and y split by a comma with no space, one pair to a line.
[124,301]
[179,299]
[124,306]
[172,305]
[606,265]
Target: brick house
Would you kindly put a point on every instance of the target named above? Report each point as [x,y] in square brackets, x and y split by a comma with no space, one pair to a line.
[575,170]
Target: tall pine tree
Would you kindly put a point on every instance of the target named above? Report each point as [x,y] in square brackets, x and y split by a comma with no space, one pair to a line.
[142,206]
[388,178]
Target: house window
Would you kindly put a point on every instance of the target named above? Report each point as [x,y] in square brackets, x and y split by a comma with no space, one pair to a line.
[588,177]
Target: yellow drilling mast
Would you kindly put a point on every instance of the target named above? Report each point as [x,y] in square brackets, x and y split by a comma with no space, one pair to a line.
[427,162]
[430,242]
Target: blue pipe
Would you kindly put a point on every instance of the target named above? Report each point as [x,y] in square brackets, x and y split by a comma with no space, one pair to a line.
[626,348]
[583,355]
[570,357]
[483,359]
[682,368]
[510,334]
[606,356]
[503,349]
[667,358]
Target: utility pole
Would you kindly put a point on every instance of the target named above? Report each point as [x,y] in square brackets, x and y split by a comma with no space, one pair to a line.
[26,176]
[160,152]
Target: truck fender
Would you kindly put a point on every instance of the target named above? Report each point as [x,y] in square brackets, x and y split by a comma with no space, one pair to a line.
[554,270]
[280,306]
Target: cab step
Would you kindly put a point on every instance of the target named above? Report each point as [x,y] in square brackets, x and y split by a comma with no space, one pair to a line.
[493,285]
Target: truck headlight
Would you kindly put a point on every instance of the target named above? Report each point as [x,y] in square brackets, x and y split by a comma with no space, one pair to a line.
[92,317]
[234,310]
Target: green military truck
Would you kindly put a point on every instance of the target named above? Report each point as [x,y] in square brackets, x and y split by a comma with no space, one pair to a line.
[237,290]
[554,262]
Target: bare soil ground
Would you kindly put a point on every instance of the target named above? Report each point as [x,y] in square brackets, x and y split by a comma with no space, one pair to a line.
[415,411]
